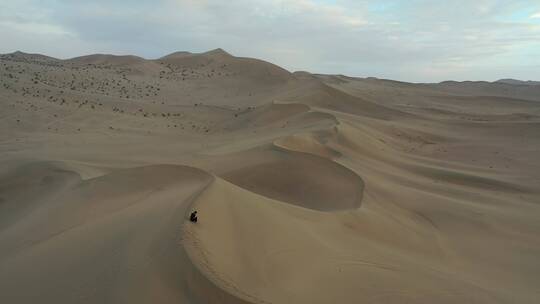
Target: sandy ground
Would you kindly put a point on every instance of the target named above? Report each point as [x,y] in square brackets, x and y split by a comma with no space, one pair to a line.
[309,188]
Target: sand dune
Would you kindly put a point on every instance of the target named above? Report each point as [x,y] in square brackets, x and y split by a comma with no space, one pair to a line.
[309,188]
[112,238]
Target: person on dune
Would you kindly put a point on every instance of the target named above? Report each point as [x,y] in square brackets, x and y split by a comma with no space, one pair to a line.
[193,216]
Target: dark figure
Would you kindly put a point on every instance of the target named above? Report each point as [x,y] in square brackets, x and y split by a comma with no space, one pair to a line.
[193,216]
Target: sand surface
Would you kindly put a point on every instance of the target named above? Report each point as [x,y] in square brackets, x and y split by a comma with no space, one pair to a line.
[309,188]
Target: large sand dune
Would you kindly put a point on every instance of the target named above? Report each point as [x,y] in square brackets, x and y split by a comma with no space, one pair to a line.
[310,188]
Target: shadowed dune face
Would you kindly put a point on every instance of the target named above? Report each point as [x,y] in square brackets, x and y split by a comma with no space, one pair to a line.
[320,184]
[321,95]
[267,115]
[24,184]
[312,143]
[110,239]
[309,188]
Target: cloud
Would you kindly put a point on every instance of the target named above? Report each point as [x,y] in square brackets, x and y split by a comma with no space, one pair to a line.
[415,40]
[536,16]
[34,28]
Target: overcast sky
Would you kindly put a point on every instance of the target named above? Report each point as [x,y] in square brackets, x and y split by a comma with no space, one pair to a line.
[411,40]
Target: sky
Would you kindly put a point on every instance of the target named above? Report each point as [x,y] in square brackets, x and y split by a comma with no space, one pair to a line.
[408,40]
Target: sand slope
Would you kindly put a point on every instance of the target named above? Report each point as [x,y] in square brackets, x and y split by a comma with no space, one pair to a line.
[110,239]
[310,188]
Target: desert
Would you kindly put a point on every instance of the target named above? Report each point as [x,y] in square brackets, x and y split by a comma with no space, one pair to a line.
[309,188]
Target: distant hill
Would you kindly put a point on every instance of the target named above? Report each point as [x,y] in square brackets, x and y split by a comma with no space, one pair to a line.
[517,82]
[27,57]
